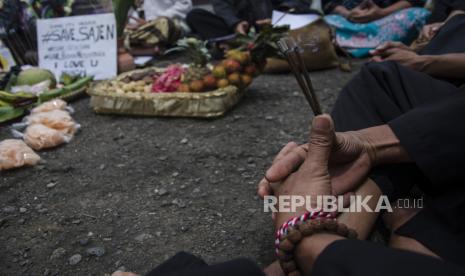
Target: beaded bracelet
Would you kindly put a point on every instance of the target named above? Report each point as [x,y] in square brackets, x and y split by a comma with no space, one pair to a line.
[295,229]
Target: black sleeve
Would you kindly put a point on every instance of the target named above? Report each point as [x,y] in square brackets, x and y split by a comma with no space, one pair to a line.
[329,5]
[416,3]
[226,10]
[457,5]
[434,137]
[363,258]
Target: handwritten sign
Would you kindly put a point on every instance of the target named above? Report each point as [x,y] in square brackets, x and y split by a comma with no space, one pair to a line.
[78,45]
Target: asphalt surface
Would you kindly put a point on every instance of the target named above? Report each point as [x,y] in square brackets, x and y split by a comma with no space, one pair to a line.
[129,192]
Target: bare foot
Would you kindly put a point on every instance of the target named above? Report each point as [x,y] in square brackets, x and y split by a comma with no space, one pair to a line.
[274,269]
[121,273]
[395,220]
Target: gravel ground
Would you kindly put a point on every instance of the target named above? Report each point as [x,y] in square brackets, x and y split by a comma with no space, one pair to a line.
[129,192]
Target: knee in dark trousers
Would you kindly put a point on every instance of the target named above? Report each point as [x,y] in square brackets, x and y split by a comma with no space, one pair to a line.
[207,25]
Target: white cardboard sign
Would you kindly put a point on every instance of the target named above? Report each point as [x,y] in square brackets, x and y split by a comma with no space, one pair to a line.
[84,45]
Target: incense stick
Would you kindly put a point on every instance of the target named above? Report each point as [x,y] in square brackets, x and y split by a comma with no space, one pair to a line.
[292,52]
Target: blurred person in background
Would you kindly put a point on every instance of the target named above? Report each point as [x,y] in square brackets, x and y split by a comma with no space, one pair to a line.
[229,17]
[362,25]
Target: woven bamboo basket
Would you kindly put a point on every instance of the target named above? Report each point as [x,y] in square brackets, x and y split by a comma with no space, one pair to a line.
[198,105]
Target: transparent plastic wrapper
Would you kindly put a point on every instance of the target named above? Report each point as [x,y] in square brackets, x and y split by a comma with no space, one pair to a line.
[39,137]
[15,154]
[55,104]
[35,89]
[57,119]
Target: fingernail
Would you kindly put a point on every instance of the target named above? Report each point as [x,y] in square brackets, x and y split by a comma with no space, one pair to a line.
[321,123]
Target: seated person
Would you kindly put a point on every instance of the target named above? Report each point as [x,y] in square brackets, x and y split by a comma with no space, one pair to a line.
[442,57]
[231,16]
[362,25]
[410,109]
[396,128]
[163,24]
[174,9]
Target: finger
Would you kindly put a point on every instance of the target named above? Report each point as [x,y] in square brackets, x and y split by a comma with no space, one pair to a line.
[376,59]
[321,140]
[264,188]
[346,199]
[389,52]
[285,150]
[286,165]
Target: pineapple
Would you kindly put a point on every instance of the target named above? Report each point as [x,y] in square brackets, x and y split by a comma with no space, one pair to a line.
[194,73]
[198,53]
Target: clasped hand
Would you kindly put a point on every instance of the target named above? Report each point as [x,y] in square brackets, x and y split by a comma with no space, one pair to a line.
[330,164]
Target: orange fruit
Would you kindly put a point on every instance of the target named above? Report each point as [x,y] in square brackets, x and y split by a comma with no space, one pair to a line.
[222,83]
[235,79]
[183,88]
[246,80]
[209,81]
[250,70]
[231,65]
[196,86]
[219,72]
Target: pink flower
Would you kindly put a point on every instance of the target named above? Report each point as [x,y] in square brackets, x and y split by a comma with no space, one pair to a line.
[169,81]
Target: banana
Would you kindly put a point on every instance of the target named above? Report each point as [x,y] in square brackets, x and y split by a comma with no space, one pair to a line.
[17,97]
[4,104]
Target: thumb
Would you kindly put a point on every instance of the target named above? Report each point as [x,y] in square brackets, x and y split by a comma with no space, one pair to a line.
[321,140]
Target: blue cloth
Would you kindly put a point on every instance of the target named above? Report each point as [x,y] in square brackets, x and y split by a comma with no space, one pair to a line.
[358,39]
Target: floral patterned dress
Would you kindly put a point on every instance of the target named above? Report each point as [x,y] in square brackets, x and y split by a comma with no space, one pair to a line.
[358,39]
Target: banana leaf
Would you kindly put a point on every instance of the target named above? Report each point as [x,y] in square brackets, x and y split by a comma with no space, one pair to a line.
[9,113]
[121,9]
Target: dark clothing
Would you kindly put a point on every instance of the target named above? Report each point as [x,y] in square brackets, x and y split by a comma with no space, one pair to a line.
[442,9]
[227,14]
[329,5]
[234,11]
[184,264]
[207,25]
[362,258]
[425,113]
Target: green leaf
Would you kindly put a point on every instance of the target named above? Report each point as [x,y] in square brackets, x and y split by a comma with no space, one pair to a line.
[9,113]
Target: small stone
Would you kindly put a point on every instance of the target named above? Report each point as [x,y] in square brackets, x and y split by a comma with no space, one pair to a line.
[184,141]
[75,259]
[179,203]
[84,241]
[51,185]
[143,237]
[175,174]
[22,210]
[9,209]
[162,192]
[158,234]
[76,221]
[96,251]
[102,167]
[58,253]
[269,118]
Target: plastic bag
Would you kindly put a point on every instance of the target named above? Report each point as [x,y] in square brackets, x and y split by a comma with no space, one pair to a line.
[40,137]
[57,119]
[35,89]
[15,153]
[56,104]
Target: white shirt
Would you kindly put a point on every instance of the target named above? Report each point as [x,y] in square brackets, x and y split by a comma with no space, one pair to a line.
[174,9]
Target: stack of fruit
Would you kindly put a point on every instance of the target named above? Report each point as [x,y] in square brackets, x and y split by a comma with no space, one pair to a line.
[237,70]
